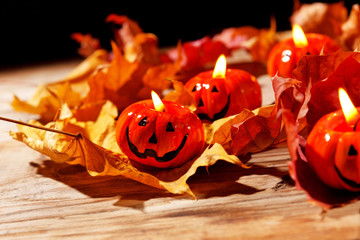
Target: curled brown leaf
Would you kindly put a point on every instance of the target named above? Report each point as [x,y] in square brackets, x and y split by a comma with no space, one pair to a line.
[95,148]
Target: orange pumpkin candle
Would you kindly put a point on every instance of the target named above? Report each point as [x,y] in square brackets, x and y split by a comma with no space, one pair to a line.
[284,56]
[223,92]
[161,134]
[333,146]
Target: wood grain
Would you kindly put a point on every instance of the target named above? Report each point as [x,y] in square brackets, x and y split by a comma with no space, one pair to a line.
[43,200]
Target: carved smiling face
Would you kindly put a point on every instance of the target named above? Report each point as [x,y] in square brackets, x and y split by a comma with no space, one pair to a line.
[221,97]
[159,139]
[347,161]
[333,152]
[212,96]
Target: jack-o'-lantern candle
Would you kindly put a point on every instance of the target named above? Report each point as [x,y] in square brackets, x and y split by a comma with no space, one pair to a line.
[284,56]
[158,133]
[333,147]
[223,92]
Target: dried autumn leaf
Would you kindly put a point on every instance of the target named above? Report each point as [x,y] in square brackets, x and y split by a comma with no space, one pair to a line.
[258,42]
[181,96]
[331,19]
[88,44]
[209,157]
[327,73]
[100,131]
[350,37]
[254,131]
[124,82]
[322,76]
[260,45]
[211,128]
[249,131]
[136,45]
[46,102]
[157,77]
[317,68]
[85,69]
[305,177]
[198,54]
[201,54]
[95,148]
[128,77]
[48,98]
[325,18]
[114,83]
[144,49]
[236,37]
[126,34]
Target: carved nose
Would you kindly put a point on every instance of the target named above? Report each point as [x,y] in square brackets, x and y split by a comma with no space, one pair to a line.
[201,103]
[153,139]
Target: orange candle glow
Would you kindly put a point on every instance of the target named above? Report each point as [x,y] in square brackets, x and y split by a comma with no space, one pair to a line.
[223,92]
[333,146]
[158,104]
[284,56]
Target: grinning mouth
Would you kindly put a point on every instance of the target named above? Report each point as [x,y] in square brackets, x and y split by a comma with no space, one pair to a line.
[218,115]
[349,182]
[152,153]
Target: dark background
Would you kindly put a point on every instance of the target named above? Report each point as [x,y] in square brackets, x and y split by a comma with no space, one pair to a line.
[39,31]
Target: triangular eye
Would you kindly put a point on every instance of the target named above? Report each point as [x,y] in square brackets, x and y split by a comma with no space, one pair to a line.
[352,151]
[194,89]
[143,121]
[214,89]
[169,127]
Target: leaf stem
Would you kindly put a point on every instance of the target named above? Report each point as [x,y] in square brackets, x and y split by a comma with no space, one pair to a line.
[39,127]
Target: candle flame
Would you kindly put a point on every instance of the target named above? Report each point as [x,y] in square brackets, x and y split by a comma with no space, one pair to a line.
[158,104]
[349,110]
[220,67]
[299,36]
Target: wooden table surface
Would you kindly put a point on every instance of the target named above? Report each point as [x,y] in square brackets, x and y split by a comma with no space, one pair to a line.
[43,200]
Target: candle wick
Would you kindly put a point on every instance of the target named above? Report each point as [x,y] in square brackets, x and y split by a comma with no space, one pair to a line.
[355,125]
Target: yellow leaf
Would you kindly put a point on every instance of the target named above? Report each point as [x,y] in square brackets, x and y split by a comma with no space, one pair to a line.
[209,157]
[48,98]
[181,96]
[94,148]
